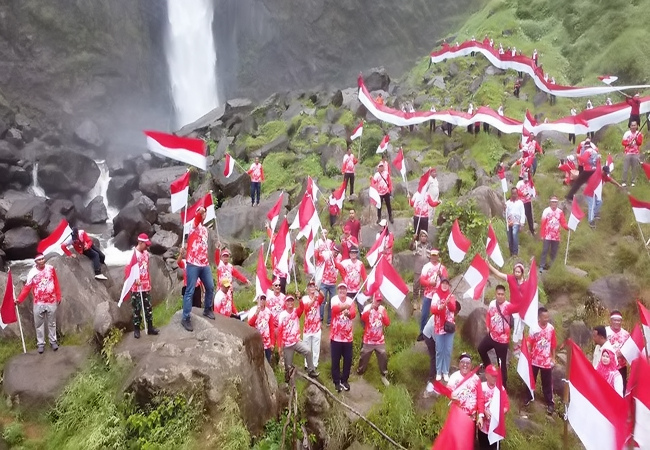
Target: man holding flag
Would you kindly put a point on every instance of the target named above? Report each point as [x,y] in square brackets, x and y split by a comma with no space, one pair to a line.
[141,290]
[381,181]
[256,172]
[496,401]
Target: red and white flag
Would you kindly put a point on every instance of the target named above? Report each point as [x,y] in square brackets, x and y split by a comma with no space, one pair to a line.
[377,248]
[373,195]
[497,426]
[423,184]
[383,145]
[180,190]
[337,197]
[282,247]
[307,218]
[476,276]
[610,163]
[385,279]
[596,412]
[641,396]
[262,282]
[607,79]
[52,243]
[400,163]
[229,166]
[576,214]
[492,247]
[188,150]
[501,173]
[310,252]
[646,169]
[312,189]
[132,274]
[641,210]
[274,214]
[594,186]
[187,216]
[457,433]
[357,132]
[8,308]
[528,309]
[457,244]
[634,347]
[525,369]
[645,324]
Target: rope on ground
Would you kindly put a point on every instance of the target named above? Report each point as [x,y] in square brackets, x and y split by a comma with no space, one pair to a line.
[351,409]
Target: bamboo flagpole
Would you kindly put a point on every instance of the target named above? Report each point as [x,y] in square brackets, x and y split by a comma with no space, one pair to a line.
[366,280]
[20,327]
[566,253]
[643,238]
[144,317]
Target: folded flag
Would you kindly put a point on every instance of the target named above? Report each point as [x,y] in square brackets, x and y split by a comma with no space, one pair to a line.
[525,369]
[457,433]
[8,308]
[188,150]
[501,173]
[634,347]
[132,274]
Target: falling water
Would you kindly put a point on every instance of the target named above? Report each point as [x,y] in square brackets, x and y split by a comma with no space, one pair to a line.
[36,188]
[191,57]
[101,188]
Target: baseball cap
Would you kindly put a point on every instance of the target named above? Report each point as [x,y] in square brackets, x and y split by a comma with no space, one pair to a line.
[142,237]
[225,282]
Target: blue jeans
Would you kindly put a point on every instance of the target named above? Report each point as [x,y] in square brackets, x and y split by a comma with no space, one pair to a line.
[329,291]
[425,313]
[513,239]
[194,273]
[444,347]
[594,205]
[256,188]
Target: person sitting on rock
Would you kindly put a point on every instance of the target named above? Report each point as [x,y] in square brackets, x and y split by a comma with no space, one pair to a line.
[44,285]
[198,289]
[262,320]
[225,270]
[422,204]
[341,337]
[84,245]
[256,172]
[141,290]
[223,301]
[375,317]
[289,338]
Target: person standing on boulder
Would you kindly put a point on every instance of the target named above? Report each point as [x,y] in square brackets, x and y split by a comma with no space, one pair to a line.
[44,285]
[84,245]
[617,335]
[552,219]
[349,161]
[376,318]
[632,141]
[223,300]
[225,270]
[256,173]
[141,290]
[341,337]
[382,182]
[198,267]
[289,338]
[198,289]
[311,332]
[443,307]
[262,320]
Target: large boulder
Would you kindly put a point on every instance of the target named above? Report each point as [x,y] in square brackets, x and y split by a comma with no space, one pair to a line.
[237,183]
[202,124]
[95,211]
[467,304]
[474,328]
[109,316]
[155,183]
[21,243]
[8,153]
[33,382]
[31,212]
[489,202]
[135,218]
[67,172]
[614,291]
[163,240]
[120,188]
[238,220]
[220,358]
[87,134]
[377,80]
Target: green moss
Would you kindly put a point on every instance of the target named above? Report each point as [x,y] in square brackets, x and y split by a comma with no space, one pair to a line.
[266,134]
[348,120]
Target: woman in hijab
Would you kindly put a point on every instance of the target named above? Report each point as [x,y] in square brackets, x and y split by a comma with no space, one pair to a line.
[608,369]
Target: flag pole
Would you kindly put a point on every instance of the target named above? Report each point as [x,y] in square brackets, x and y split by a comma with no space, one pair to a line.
[268,251]
[144,317]
[184,216]
[360,137]
[566,396]
[566,253]
[20,327]
[295,279]
[643,237]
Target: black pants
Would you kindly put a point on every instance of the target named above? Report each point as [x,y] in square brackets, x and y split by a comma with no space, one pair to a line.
[499,133]
[553,99]
[196,297]
[470,129]
[517,92]
[486,127]
[477,128]
[341,350]
[547,384]
[256,188]
[420,223]
[332,220]
[502,353]
[484,442]
[268,352]
[283,285]
[449,128]
[623,372]
[349,178]
[528,209]
[431,349]
[572,138]
[385,199]
[432,126]
[582,178]
[634,118]
[97,257]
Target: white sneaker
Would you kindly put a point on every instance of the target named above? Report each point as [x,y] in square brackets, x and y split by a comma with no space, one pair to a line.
[385,381]
[633,184]
[100,276]
[446,377]
[623,184]
[438,377]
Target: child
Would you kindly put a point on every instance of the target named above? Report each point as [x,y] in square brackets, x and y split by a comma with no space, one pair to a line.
[541,347]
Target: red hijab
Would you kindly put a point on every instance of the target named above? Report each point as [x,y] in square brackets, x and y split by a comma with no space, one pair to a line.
[609,371]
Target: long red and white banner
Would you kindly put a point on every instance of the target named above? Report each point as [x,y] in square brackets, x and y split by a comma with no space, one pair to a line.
[526,65]
[588,120]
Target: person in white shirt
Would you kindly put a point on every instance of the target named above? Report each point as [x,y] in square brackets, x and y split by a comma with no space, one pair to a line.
[599,336]
[516,218]
[470,111]
[572,136]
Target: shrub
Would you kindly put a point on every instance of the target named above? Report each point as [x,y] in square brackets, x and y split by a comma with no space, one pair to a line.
[13,434]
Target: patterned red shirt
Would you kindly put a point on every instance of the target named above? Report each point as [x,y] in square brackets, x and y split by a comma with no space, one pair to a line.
[488,394]
[289,327]
[312,314]
[341,330]
[227,272]
[348,163]
[330,273]
[498,328]
[197,245]
[542,345]
[44,284]
[442,315]
[353,273]
[632,142]
[375,320]
[262,320]
[256,173]
[526,191]
[382,182]
[468,394]
[617,339]
[145,279]
[421,204]
[224,304]
[430,277]
[275,303]
[551,223]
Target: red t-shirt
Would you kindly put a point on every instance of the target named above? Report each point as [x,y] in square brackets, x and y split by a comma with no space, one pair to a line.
[355,227]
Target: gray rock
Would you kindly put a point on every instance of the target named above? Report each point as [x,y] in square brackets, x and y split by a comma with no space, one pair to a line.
[238,220]
[474,328]
[455,164]
[453,69]
[87,134]
[20,176]
[95,211]
[491,70]
[475,85]
[21,243]
[279,144]
[155,183]
[451,146]
[109,316]
[68,172]
[614,292]
[580,333]
[438,81]
[170,222]
[337,99]
[448,182]
[8,153]
[33,382]
[488,201]
[202,124]
[555,137]
[14,137]
[163,205]
[539,99]
[135,218]
[120,188]
[377,80]
[351,99]
[163,240]
[210,359]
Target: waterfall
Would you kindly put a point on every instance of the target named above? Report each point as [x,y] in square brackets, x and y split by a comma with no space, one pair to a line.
[37,190]
[101,187]
[191,57]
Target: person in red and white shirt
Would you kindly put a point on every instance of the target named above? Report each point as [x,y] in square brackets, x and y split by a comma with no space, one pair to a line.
[347,242]
[289,338]
[341,337]
[466,390]
[552,219]
[382,182]
[256,173]
[389,241]
[275,299]
[198,267]
[349,161]
[84,245]
[198,289]
[311,332]
[354,225]
[635,108]
[607,369]
[632,141]
[443,307]
[262,320]
[225,270]
[376,318]
[327,256]
[526,193]
[43,283]
[141,290]
[224,303]
[422,204]
[497,321]
[588,156]
[432,273]
[489,388]
[541,347]
[353,273]
[617,335]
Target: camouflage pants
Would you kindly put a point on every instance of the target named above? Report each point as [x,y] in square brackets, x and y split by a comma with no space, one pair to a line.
[136,303]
